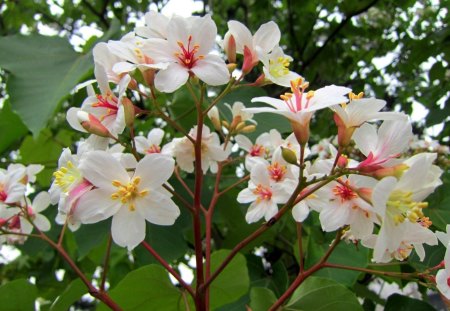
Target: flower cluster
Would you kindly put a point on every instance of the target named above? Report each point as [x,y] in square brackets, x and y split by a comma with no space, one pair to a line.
[376,200]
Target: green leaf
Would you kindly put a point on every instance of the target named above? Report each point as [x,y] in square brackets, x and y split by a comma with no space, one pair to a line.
[232,283]
[344,254]
[439,204]
[319,294]
[18,295]
[43,70]
[398,302]
[261,299]
[73,292]
[90,236]
[11,127]
[147,288]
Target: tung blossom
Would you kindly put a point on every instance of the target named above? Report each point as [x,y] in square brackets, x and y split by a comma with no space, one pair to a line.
[212,151]
[129,198]
[399,205]
[187,50]
[383,146]
[299,106]
[263,194]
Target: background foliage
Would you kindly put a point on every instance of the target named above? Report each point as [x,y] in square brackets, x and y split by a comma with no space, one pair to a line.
[395,50]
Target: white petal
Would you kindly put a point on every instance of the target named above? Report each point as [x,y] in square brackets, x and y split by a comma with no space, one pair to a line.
[158,209]
[255,212]
[300,211]
[381,193]
[154,170]
[96,205]
[101,168]
[128,228]
[212,70]
[267,36]
[246,196]
[172,78]
[241,34]
[42,222]
[41,202]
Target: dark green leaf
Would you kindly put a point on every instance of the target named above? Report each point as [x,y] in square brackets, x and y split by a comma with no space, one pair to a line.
[319,294]
[11,127]
[261,299]
[18,295]
[147,288]
[43,70]
[232,283]
[73,292]
[398,302]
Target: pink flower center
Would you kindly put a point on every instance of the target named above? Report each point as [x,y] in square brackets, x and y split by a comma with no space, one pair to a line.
[263,193]
[188,56]
[344,192]
[257,150]
[448,282]
[3,196]
[153,149]
[105,102]
[277,171]
[14,222]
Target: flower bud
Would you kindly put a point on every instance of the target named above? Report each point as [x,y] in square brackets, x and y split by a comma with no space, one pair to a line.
[92,125]
[396,171]
[289,156]
[248,129]
[344,133]
[248,64]
[342,161]
[213,115]
[261,80]
[230,49]
[301,132]
[231,67]
[128,109]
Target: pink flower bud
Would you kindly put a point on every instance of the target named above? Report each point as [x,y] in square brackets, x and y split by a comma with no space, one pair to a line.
[248,61]
[230,49]
[92,125]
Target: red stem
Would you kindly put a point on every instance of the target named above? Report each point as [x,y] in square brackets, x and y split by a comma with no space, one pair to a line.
[168,268]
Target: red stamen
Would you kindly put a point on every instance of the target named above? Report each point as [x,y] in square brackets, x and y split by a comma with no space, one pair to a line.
[187,55]
[257,150]
[344,192]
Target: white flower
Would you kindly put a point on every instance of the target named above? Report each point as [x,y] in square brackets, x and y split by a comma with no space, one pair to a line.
[130,198]
[263,194]
[266,38]
[340,203]
[300,106]
[276,67]
[212,151]
[12,186]
[152,143]
[134,51]
[399,206]
[443,275]
[106,107]
[383,146]
[187,50]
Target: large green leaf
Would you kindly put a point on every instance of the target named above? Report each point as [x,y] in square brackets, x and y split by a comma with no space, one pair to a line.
[42,72]
[398,302]
[232,283]
[18,295]
[439,204]
[73,292]
[11,127]
[319,294]
[261,299]
[147,288]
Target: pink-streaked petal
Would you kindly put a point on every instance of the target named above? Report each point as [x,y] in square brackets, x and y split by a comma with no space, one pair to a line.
[128,228]
[441,282]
